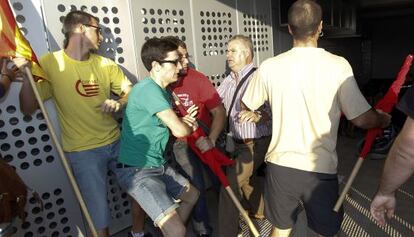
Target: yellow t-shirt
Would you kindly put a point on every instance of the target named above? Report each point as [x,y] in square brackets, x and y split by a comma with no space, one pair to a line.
[78,89]
[307,88]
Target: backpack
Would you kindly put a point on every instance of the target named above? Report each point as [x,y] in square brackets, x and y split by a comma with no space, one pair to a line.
[13,194]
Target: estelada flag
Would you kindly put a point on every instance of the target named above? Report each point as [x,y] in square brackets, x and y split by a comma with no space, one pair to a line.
[13,43]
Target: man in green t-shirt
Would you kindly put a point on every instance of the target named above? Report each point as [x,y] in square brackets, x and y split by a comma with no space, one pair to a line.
[163,193]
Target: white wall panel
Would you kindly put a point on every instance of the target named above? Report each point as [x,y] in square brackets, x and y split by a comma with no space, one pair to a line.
[26,144]
[215,23]
[160,18]
[114,19]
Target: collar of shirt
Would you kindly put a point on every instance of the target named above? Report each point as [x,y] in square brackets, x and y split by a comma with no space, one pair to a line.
[239,75]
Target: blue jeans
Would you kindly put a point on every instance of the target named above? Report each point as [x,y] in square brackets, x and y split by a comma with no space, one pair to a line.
[192,168]
[156,189]
[90,168]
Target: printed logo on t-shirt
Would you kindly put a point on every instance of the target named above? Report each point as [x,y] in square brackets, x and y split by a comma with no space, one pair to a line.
[87,88]
[185,100]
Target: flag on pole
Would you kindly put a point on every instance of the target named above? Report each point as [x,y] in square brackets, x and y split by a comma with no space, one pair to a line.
[387,103]
[13,43]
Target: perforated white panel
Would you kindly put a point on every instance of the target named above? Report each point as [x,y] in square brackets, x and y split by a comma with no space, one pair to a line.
[160,18]
[26,144]
[114,19]
[214,24]
[262,34]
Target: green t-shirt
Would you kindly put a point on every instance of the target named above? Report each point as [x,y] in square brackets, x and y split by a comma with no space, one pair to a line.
[144,136]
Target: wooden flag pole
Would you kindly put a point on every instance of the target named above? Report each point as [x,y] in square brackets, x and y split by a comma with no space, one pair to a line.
[61,154]
[242,212]
[348,184]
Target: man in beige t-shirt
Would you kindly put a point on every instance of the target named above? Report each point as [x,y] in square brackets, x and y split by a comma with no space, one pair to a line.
[308,88]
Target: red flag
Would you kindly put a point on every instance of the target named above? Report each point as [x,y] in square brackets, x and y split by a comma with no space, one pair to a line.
[12,42]
[213,157]
[387,103]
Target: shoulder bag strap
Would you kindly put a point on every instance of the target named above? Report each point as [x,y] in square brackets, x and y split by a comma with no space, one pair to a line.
[226,127]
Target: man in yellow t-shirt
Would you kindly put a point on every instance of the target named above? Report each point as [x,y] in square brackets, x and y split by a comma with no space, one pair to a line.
[80,82]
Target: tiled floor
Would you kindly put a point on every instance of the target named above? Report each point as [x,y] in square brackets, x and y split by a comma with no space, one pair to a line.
[357,220]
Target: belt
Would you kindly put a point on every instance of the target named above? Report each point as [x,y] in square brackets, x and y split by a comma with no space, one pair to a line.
[121,165]
[243,141]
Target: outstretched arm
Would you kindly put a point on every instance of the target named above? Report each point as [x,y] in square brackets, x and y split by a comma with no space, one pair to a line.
[28,102]
[398,168]
[219,119]
[372,119]
[180,127]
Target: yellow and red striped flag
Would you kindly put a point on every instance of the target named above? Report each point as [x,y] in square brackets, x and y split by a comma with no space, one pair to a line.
[13,43]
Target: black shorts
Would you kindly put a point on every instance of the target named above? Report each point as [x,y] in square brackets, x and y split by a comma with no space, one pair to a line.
[287,188]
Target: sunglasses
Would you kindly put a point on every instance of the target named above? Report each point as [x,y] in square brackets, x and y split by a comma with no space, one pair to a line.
[175,62]
[96,27]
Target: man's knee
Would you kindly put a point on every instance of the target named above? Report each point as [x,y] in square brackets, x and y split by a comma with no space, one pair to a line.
[276,232]
[172,225]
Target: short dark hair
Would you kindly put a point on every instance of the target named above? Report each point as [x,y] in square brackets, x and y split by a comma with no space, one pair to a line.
[72,19]
[304,17]
[176,41]
[156,49]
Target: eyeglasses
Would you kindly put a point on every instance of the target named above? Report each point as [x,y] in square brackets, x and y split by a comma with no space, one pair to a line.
[175,62]
[96,27]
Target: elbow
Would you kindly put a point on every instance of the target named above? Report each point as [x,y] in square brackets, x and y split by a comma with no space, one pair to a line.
[372,119]
[362,124]
[27,110]
[28,105]
[182,132]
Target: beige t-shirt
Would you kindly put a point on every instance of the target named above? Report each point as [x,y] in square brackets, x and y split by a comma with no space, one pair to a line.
[307,89]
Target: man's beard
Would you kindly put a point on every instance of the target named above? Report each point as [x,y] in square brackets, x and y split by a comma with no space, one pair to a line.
[182,72]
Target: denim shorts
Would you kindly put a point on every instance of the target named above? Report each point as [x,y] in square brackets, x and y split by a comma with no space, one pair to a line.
[156,189]
[90,168]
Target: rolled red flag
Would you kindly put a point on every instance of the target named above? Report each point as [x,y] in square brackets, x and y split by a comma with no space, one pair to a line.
[386,104]
[213,158]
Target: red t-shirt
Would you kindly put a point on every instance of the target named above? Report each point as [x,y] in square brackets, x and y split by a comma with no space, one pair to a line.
[196,88]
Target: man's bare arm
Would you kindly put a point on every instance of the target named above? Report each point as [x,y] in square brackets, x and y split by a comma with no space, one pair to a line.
[398,168]
[219,120]
[180,127]
[372,119]
[110,105]
[399,165]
